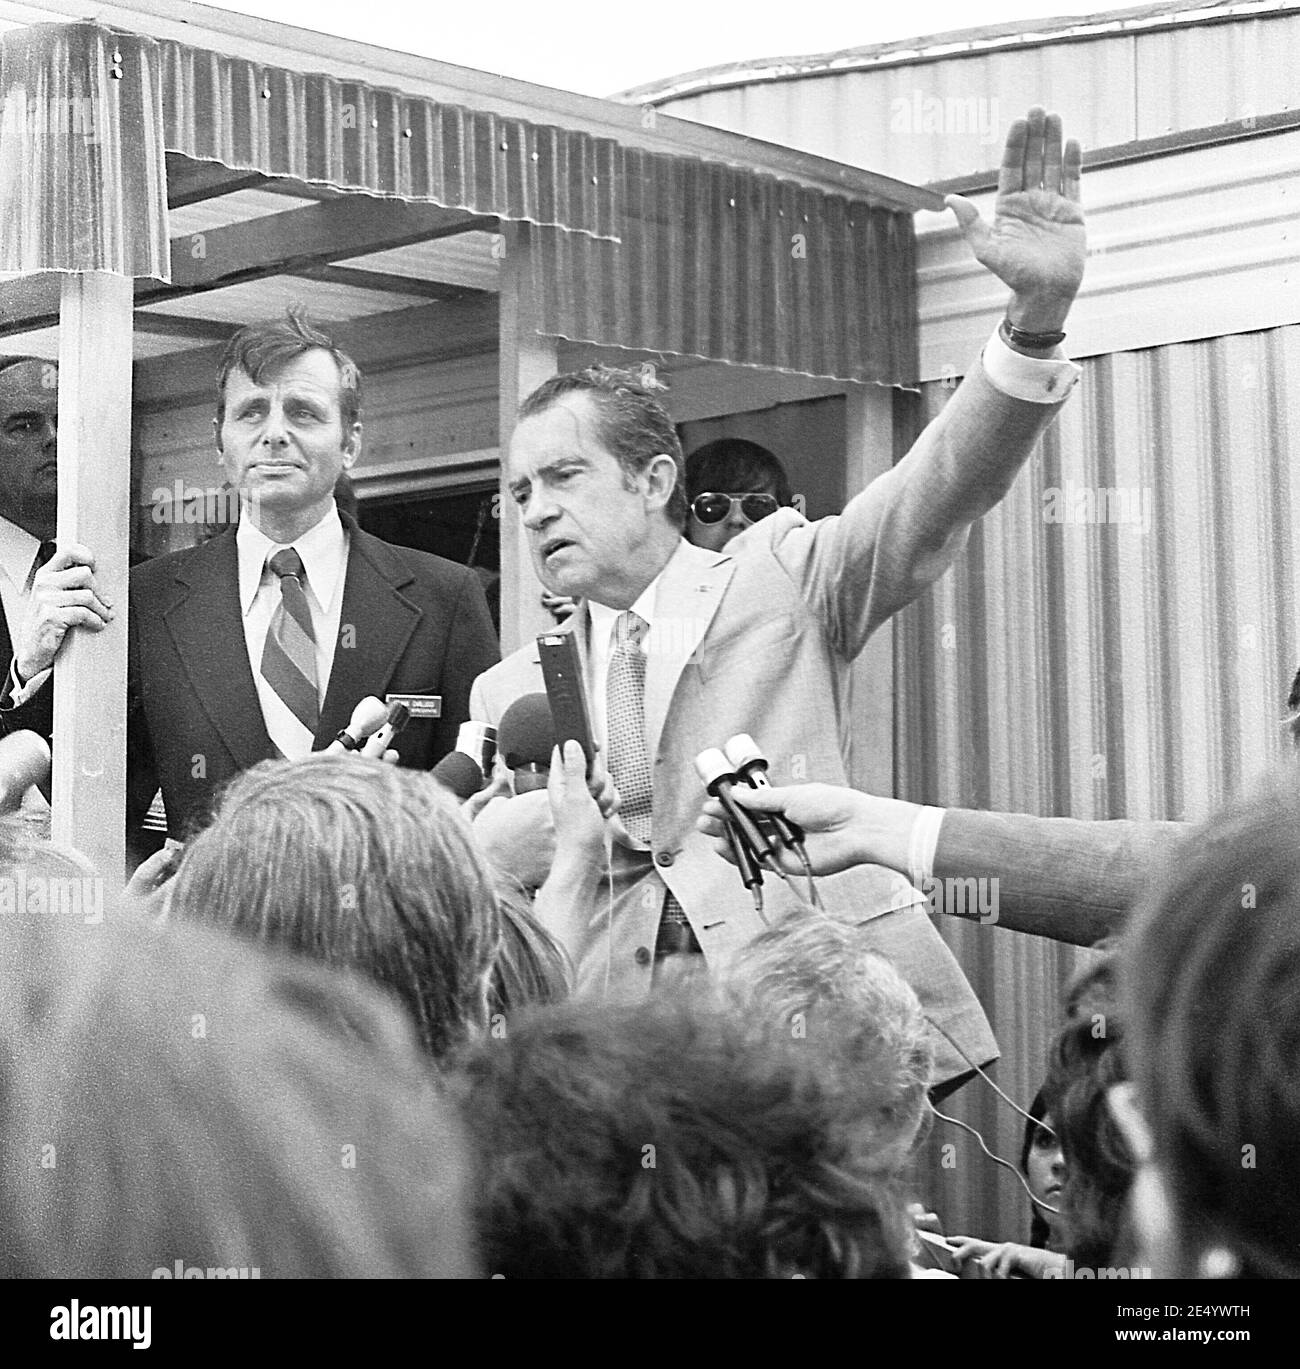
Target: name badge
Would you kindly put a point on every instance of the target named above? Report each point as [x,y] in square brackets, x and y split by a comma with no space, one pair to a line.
[419,705]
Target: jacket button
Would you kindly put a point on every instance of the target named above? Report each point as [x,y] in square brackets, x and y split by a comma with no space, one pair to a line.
[643,955]
[663,857]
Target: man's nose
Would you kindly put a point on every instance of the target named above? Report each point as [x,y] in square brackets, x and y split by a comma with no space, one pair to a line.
[274,433]
[538,511]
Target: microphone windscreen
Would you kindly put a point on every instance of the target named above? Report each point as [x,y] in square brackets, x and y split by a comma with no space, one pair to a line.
[367,717]
[24,761]
[459,774]
[526,732]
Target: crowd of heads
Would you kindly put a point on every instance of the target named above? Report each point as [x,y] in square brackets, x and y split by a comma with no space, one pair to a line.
[339,1043]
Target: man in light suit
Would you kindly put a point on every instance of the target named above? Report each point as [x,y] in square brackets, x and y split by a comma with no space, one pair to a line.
[683,647]
[260,642]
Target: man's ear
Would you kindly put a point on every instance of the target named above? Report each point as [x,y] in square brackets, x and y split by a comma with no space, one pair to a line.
[352,447]
[661,480]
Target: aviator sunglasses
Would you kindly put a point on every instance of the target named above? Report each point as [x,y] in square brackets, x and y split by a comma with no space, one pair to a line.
[713,508]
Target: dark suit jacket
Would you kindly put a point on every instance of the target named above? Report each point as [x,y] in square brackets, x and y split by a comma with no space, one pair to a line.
[37,714]
[411,623]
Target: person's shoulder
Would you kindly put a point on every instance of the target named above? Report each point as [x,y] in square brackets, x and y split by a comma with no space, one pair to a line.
[159,570]
[424,565]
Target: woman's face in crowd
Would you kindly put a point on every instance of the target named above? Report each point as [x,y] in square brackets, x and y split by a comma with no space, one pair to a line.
[1045,1170]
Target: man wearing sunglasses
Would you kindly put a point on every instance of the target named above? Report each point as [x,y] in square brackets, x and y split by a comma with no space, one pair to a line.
[681,647]
[731,485]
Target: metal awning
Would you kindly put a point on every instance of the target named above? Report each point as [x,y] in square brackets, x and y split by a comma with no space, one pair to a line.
[638,248]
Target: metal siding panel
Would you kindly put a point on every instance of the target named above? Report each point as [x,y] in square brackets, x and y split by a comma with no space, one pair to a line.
[1103,670]
[1109,90]
[721,263]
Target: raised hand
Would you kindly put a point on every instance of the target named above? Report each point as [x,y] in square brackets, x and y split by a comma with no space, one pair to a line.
[1036,244]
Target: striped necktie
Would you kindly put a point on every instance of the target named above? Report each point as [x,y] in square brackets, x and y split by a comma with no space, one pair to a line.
[289,656]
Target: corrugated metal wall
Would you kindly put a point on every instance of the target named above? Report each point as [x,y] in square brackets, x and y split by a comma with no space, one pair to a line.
[933,119]
[1132,668]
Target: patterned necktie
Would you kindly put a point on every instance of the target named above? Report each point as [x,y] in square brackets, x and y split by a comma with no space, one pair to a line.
[289,656]
[43,554]
[629,764]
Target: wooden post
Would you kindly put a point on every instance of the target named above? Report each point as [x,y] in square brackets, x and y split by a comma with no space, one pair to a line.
[526,359]
[869,450]
[89,779]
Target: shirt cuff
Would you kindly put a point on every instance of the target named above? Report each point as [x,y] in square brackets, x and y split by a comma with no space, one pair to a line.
[15,694]
[1039,380]
[922,845]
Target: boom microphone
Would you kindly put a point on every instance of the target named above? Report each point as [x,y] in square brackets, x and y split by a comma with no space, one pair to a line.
[24,761]
[367,717]
[525,740]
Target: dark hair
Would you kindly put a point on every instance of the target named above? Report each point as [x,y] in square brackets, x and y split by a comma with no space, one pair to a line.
[260,349]
[175,1097]
[1039,1229]
[733,464]
[670,1139]
[1211,985]
[1087,1057]
[631,423]
[361,865]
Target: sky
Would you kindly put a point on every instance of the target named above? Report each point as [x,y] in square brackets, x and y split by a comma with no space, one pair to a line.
[605,46]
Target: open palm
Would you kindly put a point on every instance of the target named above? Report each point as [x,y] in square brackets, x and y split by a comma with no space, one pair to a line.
[1036,243]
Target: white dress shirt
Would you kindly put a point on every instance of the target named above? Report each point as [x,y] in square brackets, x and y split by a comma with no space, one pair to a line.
[324,553]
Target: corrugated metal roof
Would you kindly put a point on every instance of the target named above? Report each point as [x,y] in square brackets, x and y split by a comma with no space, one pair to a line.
[733,267]
[349,135]
[951,44]
[942,116]
[1131,660]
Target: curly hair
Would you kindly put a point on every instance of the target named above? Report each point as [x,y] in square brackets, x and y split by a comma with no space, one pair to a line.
[632,424]
[812,979]
[1087,1057]
[1211,988]
[362,865]
[670,1139]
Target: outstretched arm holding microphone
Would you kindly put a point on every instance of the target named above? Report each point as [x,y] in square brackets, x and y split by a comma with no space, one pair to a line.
[1063,878]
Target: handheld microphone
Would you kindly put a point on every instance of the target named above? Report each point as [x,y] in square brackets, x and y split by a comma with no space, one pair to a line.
[525,740]
[460,774]
[396,718]
[750,764]
[369,715]
[719,779]
[478,741]
[24,761]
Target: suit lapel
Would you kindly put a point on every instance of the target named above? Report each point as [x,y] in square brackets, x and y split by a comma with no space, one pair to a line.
[688,596]
[207,630]
[375,624]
